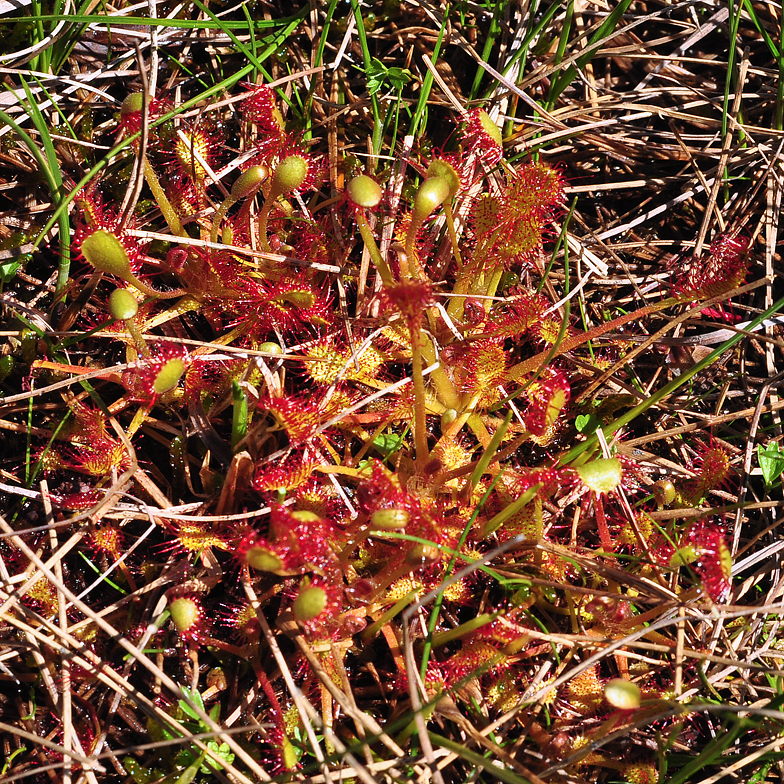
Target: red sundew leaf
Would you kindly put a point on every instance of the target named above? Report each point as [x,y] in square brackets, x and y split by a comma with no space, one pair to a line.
[486,216]
[200,140]
[107,539]
[547,399]
[241,619]
[257,552]
[259,107]
[98,458]
[131,114]
[722,269]
[478,368]
[288,305]
[305,540]
[204,377]
[160,372]
[78,501]
[318,496]
[487,363]
[298,415]
[514,221]
[476,656]
[381,492]
[713,470]
[538,187]
[411,298]
[714,560]
[524,311]
[287,474]
[483,137]
[94,216]
[586,690]
[301,415]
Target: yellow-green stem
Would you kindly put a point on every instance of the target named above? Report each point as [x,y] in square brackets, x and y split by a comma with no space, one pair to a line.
[375,254]
[138,338]
[450,222]
[495,280]
[533,363]
[420,402]
[263,218]
[464,283]
[274,193]
[169,213]
[444,388]
[415,271]
[219,216]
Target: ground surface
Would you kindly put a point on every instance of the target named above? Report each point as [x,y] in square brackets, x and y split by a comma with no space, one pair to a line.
[472,473]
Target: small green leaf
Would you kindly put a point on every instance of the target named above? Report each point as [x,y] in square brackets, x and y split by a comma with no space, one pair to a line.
[378,74]
[387,443]
[194,697]
[771,461]
[9,268]
[223,750]
[586,423]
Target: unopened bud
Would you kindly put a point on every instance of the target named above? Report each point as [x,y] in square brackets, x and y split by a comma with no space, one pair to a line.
[389,519]
[364,191]
[431,194]
[248,182]
[441,168]
[290,174]
[622,694]
[123,305]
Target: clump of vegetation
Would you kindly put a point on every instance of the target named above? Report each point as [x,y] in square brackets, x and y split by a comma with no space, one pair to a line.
[355,444]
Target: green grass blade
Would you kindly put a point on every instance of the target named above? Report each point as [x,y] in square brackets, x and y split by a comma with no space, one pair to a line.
[566,77]
[560,50]
[367,59]
[711,752]
[485,763]
[60,216]
[487,49]
[668,389]
[427,82]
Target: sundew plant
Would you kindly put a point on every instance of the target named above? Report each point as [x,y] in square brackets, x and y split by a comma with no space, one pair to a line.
[390,392]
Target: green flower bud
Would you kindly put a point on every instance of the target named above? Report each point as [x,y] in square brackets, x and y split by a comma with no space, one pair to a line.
[123,305]
[664,492]
[364,191]
[305,516]
[248,182]
[262,559]
[290,174]
[300,299]
[270,348]
[389,519]
[431,194]
[423,553]
[441,168]
[622,694]
[106,253]
[684,555]
[449,416]
[133,103]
